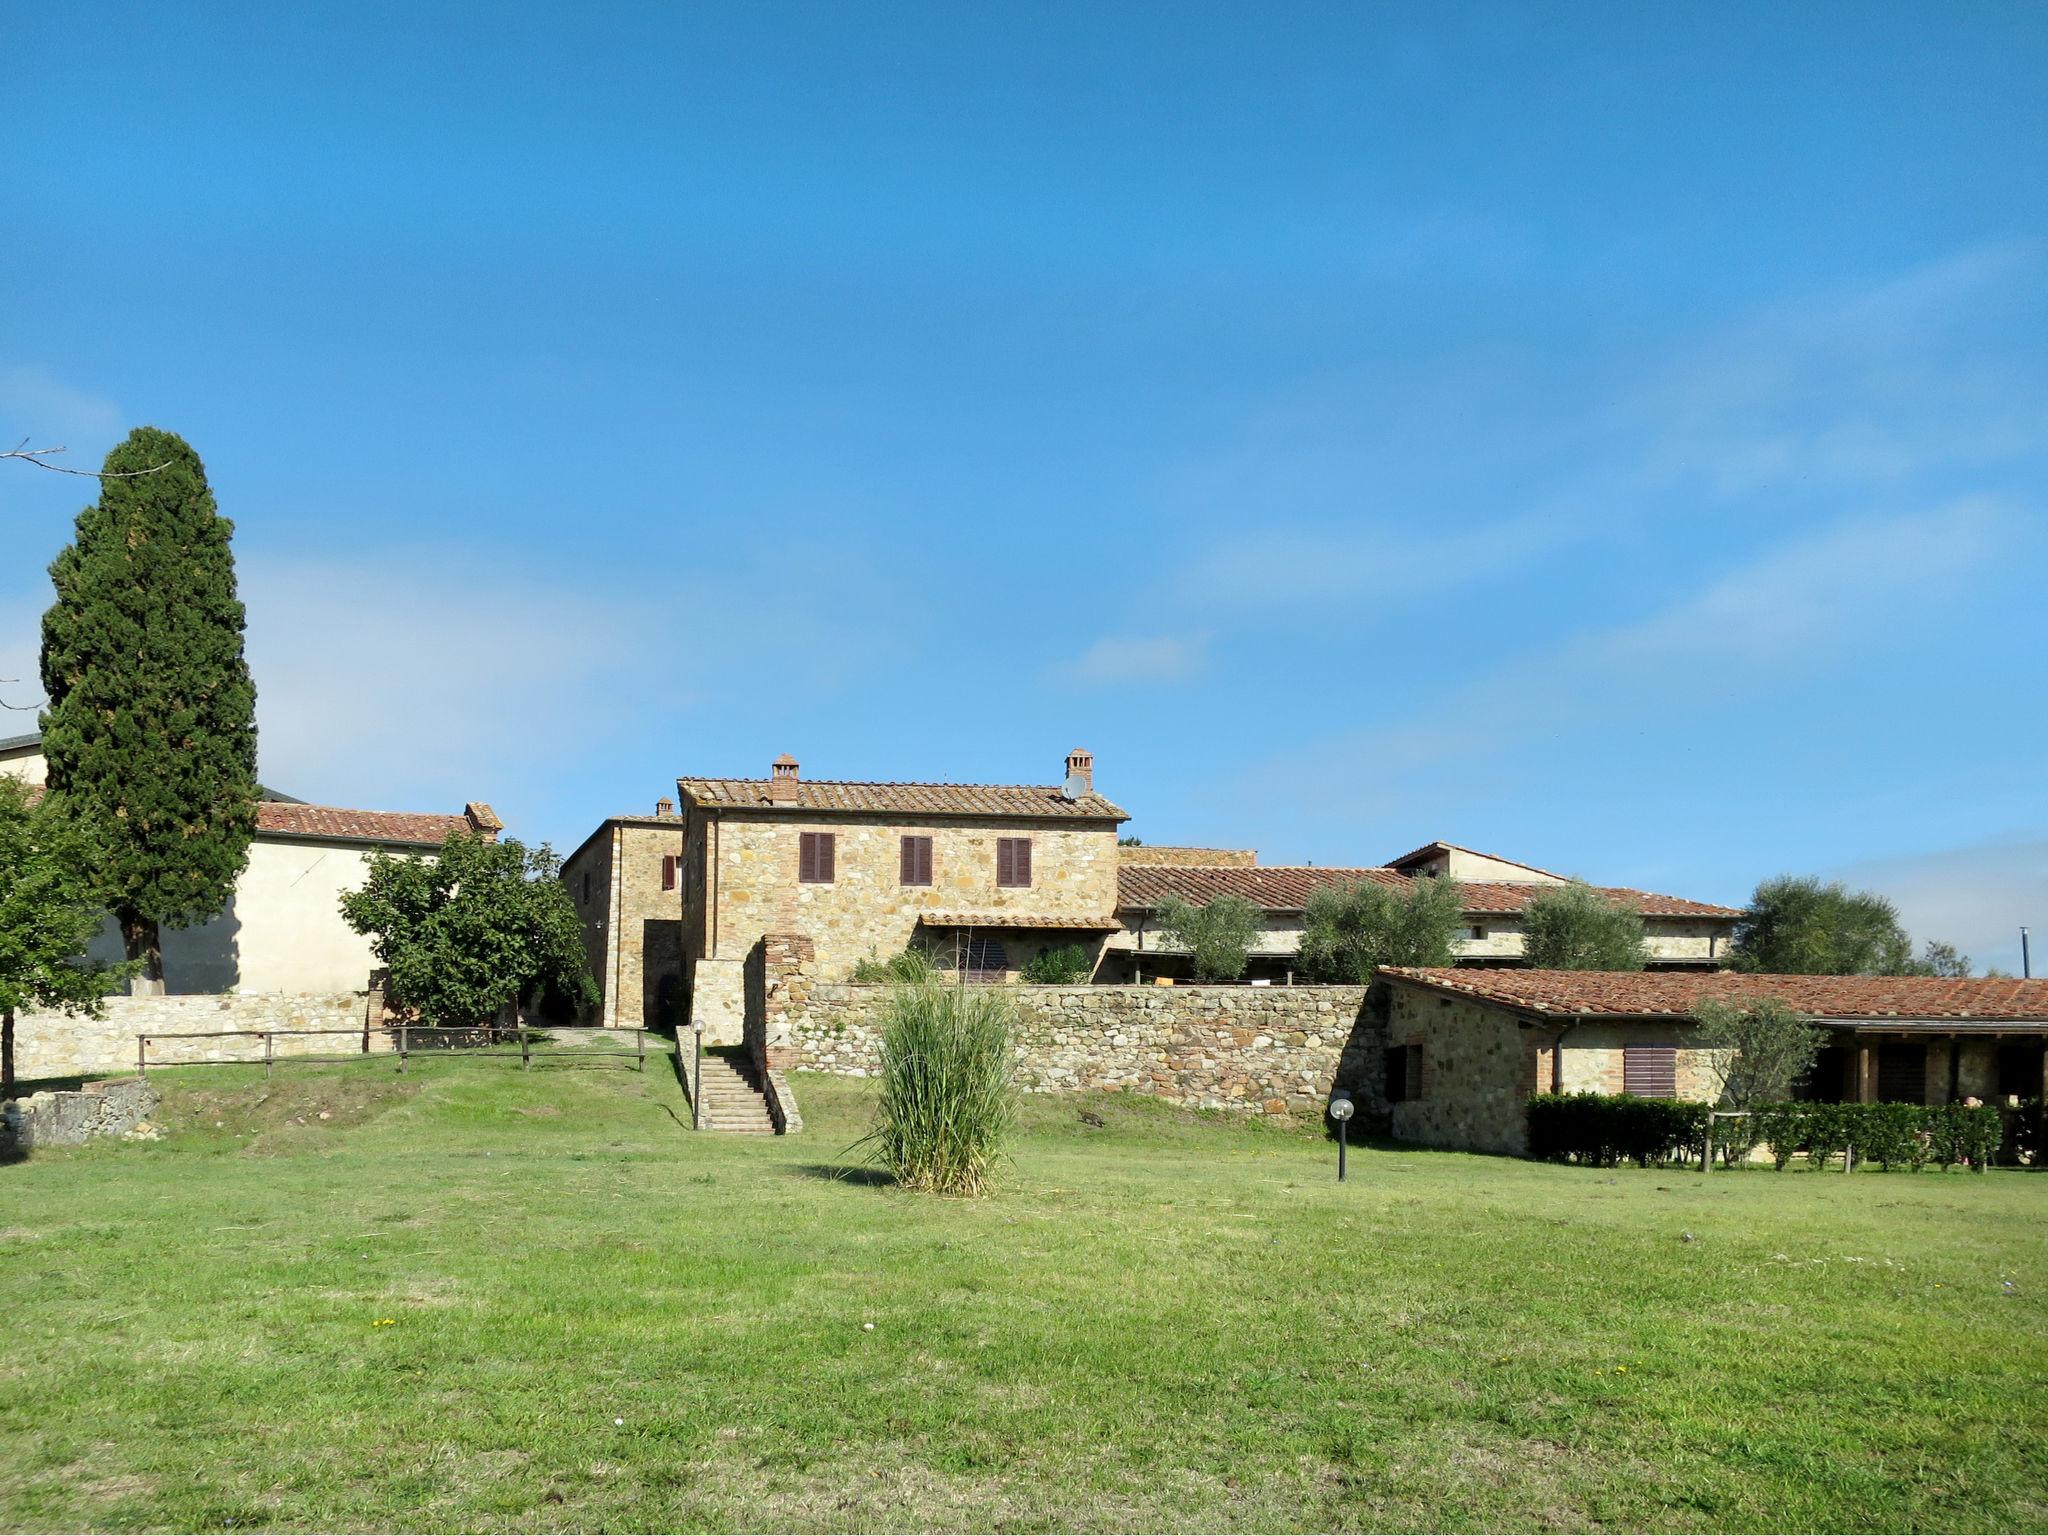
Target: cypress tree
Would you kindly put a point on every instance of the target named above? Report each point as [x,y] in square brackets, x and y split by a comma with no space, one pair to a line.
[150,729]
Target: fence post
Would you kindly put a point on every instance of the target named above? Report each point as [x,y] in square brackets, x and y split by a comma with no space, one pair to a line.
[523,1055]
[640,1045]
[269,1053]
[401,1047]
[142,1055]
[697,1083]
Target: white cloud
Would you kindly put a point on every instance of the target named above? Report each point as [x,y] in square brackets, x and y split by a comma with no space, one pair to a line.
[1123,659]
[1975,897]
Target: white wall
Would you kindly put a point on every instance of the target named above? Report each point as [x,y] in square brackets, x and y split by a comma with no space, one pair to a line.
[26,763]
[282,930]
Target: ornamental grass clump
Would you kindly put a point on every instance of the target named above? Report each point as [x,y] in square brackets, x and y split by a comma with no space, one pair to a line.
[948,1099]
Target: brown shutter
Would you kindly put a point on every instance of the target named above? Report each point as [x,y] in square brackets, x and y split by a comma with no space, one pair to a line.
[1649,1071]
[924,861]
[806,858]
[1023,861]
[914,867]
[1002,861]
[828,857]
[668,871]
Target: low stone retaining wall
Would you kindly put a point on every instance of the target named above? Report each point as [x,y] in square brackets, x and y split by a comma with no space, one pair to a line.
[56,1045]
[1263,1050]
[71,1118]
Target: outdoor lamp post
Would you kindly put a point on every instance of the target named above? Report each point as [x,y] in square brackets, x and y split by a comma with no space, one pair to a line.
[1340,1111]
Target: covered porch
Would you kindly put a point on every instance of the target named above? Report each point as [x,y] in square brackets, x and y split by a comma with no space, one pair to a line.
[1928,1061]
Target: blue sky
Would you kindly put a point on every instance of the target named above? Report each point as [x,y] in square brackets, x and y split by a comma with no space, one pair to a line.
[1612,435]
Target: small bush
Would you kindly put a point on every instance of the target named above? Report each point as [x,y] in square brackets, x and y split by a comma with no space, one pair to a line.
[1603,1130]
[948,1101]
[1219,938]
[913,965]
[1062,967]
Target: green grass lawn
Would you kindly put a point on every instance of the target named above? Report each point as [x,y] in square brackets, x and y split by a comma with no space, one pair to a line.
[598,1320]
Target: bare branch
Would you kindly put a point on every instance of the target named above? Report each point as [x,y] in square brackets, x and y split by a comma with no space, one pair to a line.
[35,456]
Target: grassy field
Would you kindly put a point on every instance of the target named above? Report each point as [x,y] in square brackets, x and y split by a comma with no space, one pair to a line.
[479,1299]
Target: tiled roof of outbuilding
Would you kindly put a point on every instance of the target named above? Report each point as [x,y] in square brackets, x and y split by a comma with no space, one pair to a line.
[282,819]
[1662,994]
[1286,888]
[908,799]
[1429,851]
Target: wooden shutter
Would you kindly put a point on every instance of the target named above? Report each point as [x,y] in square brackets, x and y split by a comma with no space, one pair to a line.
[1013,861]
[1649,1071]
[915,865]
[668,871]
[815,858]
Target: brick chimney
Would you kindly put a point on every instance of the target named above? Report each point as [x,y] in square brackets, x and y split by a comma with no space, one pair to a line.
[782,778]
[483,820]
[664,806]
[1080,774]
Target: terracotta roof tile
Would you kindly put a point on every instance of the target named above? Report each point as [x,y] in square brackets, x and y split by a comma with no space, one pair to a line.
[1286,888]
[1014,920]
[280,819]
[1649,994]
[1153,855]
[908,799]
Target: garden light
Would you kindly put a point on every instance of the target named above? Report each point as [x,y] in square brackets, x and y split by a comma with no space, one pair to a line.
[1340,1111]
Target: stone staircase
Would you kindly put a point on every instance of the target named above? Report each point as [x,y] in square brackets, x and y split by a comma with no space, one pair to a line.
[732,1101]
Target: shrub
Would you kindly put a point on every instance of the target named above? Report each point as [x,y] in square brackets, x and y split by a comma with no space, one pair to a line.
[1218,937]
[947,1102]
[1603,1130]
[1062,967]
[1762,1049]
[1350,931]
[913,964]
[1892,1135]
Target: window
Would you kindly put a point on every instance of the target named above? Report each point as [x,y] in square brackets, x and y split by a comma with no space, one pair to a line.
[984,959]
[815,857]
[1649,1071]
[1901,1073]
[1013,861]
[668,871]
[586,887]
[2019,1069]
[915,865]
[1479,930]
[1404,1073]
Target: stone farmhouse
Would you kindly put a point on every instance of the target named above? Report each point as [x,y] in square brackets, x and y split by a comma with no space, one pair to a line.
[281,931]
[984,876]
[1454,1054]
[1497,891]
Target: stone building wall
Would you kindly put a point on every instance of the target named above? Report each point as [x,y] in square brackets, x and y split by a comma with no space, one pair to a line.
[1260,1050]
[632,928]
[72,1117]
[53,1045]
[866,911]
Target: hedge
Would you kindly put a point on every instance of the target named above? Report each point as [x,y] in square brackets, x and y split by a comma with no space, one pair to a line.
[1603,1130]
[1606,1129]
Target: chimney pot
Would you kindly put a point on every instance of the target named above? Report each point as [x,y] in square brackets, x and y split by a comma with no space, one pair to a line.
[664,806]
[1080,774]
[782,778]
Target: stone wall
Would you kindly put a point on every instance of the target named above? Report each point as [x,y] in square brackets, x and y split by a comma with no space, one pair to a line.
[70,1118]
[54,1045]
[1262,1050]
[632,928]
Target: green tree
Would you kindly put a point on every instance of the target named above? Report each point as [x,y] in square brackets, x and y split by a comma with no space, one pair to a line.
[150,729]
[1350,931]
[1574,928]
[1797,926]
[48,914]
[1218,937]
[1763,1049]
[473,930]
[1939,959]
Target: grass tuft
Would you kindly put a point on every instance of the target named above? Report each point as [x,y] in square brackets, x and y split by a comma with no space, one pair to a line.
[948,1101]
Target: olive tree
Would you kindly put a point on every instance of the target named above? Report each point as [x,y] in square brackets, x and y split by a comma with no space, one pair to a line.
[1350,931]
[1218,937]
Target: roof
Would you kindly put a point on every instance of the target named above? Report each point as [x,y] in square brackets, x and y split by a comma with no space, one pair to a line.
[14,743]
[276,818]
[1666,994]
[893,799]
[1013,920]
[1187,858]
[1430,851]
[1286,888]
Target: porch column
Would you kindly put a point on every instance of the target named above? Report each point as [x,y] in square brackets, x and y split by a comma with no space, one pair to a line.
[1866,1071]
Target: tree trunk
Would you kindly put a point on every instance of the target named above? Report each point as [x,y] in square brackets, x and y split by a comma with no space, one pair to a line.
[7,1053]
[141,941]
